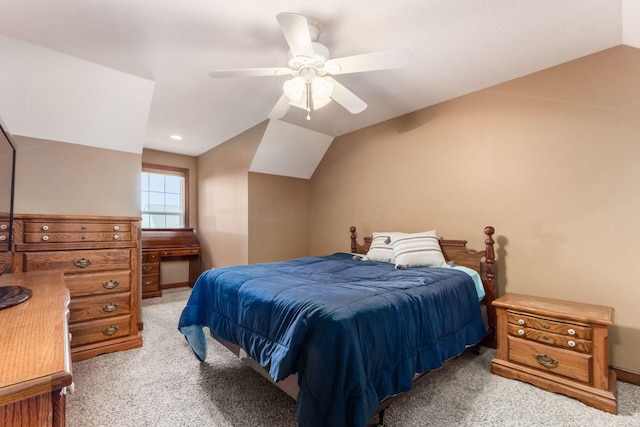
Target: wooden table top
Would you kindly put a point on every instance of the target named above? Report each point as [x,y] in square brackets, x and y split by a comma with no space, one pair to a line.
[34,339]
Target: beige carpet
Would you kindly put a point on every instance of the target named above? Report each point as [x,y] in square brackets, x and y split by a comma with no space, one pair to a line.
[163,384]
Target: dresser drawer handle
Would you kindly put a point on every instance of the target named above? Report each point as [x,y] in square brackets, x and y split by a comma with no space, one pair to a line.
[545,337]
[111,284]
[4,227]
[83,228]
[45,228]
[147,282]
[116,237]
[147,267]
[82,263]
[45,238]
[545,360]
[571,332]
[116,227]
[83,237]
[571,343]
[110,330]
[520,322]
[545,326]
[520,332]
[3,238]
[111,307]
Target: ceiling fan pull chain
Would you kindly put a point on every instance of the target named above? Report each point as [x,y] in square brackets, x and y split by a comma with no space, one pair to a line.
[308,100]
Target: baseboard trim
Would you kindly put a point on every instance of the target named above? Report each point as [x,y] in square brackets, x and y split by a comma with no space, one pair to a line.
[627,376]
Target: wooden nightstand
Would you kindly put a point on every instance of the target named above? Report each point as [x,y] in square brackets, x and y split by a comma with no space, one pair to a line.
[559,346]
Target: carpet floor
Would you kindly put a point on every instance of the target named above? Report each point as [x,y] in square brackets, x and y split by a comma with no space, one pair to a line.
[162,384]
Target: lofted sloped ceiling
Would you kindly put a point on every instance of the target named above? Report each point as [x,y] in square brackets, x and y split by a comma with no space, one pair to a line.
[127,74]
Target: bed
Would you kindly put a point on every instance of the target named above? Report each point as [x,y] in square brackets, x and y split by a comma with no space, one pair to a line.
[345,334]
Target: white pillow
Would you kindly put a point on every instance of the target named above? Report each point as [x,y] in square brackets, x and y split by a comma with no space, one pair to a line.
[418,250]
[381,249]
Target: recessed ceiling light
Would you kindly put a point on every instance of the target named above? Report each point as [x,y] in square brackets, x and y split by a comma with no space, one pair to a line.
[176,137]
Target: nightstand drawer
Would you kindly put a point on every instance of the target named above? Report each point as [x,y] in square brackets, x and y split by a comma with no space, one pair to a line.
[554,326]
[558,361]
[548,338]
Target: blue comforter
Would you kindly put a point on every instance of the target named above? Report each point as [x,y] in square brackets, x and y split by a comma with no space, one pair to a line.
[354,331]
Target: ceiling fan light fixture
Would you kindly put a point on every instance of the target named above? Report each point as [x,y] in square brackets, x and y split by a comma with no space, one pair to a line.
[322,89]
[294,88]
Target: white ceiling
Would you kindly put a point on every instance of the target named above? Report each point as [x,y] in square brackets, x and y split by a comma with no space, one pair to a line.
[137,71]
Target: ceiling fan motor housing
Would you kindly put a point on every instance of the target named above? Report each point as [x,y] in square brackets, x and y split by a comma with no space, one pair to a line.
[318,62]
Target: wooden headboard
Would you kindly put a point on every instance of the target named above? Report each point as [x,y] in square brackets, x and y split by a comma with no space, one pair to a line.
[456,250]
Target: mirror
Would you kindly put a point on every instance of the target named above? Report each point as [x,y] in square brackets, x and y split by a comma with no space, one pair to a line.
[7,173]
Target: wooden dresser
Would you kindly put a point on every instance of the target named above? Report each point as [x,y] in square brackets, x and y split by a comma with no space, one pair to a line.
[560,346]
[35,365]
[99,257]
[167,245]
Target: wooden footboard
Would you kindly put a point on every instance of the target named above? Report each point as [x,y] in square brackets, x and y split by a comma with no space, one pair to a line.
[456,250]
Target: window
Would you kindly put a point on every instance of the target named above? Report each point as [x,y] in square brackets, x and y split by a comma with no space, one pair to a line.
[164,198]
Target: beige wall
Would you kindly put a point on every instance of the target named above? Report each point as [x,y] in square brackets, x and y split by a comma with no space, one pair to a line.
[223,191]
[60,178]
[550,160]
[179,161]
[278,217]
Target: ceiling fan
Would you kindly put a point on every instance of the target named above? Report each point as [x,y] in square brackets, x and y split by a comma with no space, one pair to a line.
[311,68]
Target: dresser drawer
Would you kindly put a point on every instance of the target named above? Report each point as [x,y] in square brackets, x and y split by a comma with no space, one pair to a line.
[98,283]
[562,362]
[75,227]
[550,325]
[98,307]
[48,237]
[79,261]
[99,330]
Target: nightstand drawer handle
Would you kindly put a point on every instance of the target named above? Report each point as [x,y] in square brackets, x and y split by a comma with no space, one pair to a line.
[571,332]
[520,332]
[544,325]
[545,337]
[571,343]
[82,263]
[147,267]
[116,227]
[520,322]
[108,308]
[110,330]
[147,282]
[45,228]
[111,284]
[545,360]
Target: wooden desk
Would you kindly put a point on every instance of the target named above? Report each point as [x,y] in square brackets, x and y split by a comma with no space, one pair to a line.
[168,245]
[35,362]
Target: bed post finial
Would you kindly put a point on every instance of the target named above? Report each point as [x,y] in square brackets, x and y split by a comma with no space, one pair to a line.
[354,248]
[490,274]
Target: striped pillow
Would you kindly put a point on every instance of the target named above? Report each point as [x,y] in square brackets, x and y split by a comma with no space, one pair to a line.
[381,249]
[418,250]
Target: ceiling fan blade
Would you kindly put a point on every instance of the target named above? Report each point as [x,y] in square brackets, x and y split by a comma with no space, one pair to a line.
[296,31]
[383,60]
[280,109]
[250,72]
[346,98]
